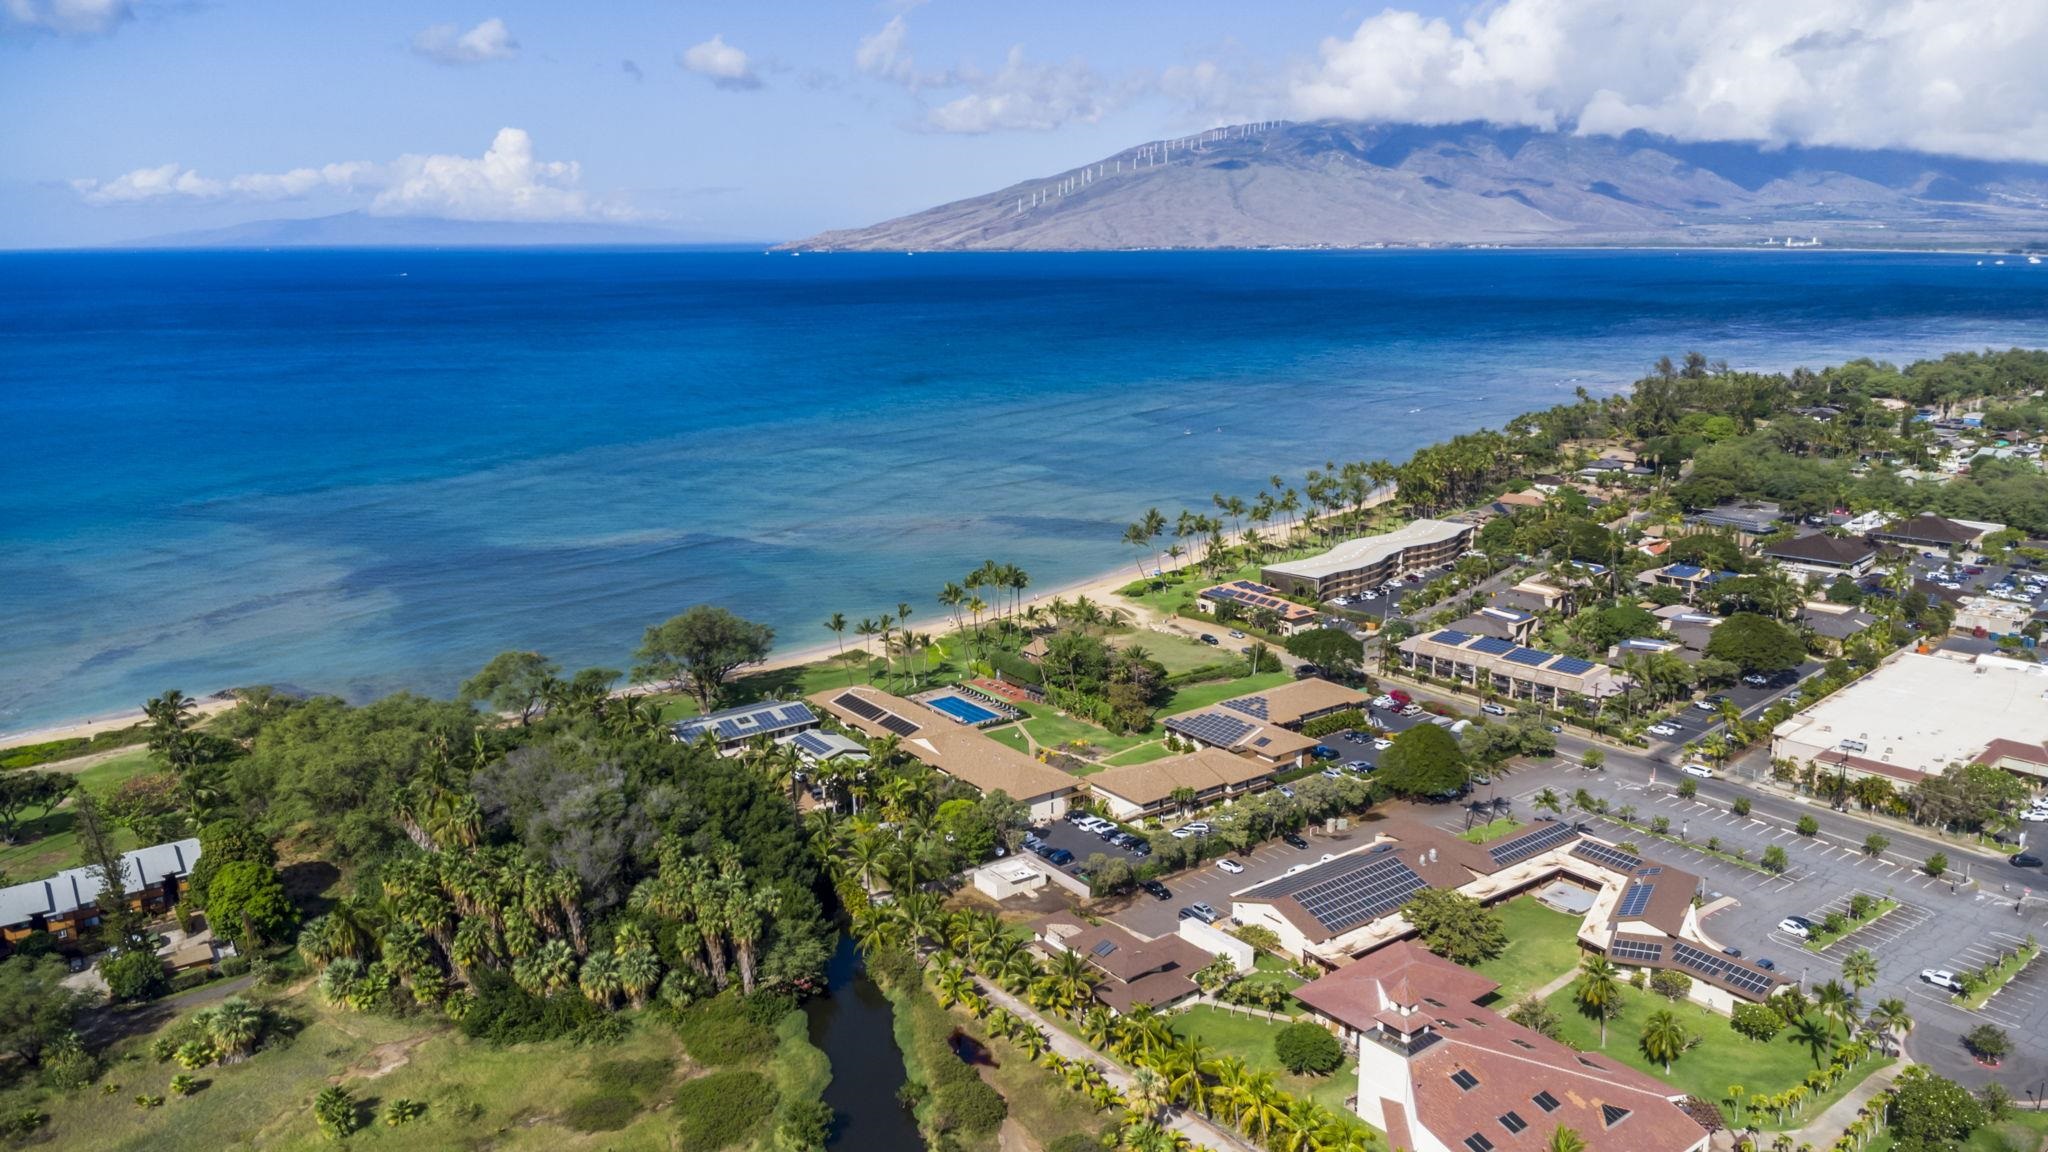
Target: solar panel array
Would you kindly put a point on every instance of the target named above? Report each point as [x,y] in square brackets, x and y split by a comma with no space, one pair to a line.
[1360,895]
[1684,571]
[1251,706]
[813,742]
[1572,666]
[1722,970]
[1531,656]
[1451,636]
[1255,595]
[1635,899]
[1516,849]
[740,724]
[1493,646]
[1606,856]
[1478,1142]
[867,711]
[1512,1121]
[1637,951]
[1212,728]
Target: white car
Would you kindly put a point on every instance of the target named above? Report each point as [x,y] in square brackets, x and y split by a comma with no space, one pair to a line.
[1798,926]
[1230,866]
[1493,710]
[1383,701]
[2035,815]
[1699,770]
[1236,635]
[1941,978]
[1371,596]
[1382,744]
[1663,730]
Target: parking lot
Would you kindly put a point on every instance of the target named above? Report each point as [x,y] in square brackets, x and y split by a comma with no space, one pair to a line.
[1061,834]
[1149,916]
[1695,723]
[1959,921]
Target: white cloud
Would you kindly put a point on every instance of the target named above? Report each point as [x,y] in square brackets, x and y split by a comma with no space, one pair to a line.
[447,44]
[506,183]
[1952,76]
[79,19]
[1023,96]
[724,65]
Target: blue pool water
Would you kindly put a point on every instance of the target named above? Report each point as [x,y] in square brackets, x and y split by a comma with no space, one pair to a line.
[962,709]
[365,471]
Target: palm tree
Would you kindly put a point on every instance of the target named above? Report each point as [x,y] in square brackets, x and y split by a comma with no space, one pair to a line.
[1150,1092]
[1548,801]
[1859,968]
[1563,1139]
[1838,1005]
[233,1026]
[1599,991]
[951,985]
[1262,1107]
[1891,1018]
[600,979]
[1818,1037]
[639,972]
[1071,980]
[1664,1038]
[836,624]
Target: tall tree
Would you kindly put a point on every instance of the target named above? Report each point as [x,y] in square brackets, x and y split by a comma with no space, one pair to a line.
[514,682]
[698,650]
[1598,992]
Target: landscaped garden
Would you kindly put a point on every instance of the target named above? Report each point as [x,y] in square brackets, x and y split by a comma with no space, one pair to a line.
[1250,1038]
[1720,1061]
[1542,945]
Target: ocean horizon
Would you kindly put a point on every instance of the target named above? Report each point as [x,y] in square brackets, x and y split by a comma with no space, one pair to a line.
[365,471]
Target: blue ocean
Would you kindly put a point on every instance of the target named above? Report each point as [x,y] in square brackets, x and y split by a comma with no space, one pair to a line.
[364,471]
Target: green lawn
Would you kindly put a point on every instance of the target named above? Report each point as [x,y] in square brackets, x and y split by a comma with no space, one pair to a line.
[1493,830]
[1251,1039]
[1722,1058]
[1143,753]
[1202,695]
[1542,945]
[1177,653]
[1009,734]
[48,844]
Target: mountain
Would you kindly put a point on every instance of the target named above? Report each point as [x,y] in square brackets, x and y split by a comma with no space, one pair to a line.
[1342,184]
[362,230]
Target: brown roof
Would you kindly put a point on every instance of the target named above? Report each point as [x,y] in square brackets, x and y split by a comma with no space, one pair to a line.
[1201,770]
[1136,971]
[1927,527]
[1269,741]
[942,742]
[1438,858]
[2020,750]
[1821,548]
[1508,1064]
[1529,499]
[1288,704]
[1671,893]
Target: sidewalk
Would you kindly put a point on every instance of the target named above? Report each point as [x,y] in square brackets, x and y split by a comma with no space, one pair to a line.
[1192,1125]
[1823,1130]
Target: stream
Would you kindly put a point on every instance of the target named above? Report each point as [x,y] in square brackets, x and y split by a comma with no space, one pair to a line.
[852,1025]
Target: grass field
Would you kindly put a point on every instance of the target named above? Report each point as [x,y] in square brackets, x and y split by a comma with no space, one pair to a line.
[1251,1038]
[1542,945]
[1721,1059]
[1202,695]
[1494,830]
[2020,1132]
[477,1095]
[1177,653]
[48,844]
[1142,754]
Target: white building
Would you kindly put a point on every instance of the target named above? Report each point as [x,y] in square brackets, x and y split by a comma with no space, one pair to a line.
[1916,715]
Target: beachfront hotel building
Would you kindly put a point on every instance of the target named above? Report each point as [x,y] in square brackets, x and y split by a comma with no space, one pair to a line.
[950,746]
[1509,669]
[1370,561]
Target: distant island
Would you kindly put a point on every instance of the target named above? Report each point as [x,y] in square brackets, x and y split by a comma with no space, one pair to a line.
[1353,185]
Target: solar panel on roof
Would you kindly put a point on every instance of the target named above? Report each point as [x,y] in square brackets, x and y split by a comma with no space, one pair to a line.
[1213,728]
[1104,947]
[1572,666]
[1478,1142]
[1463,1078]
[1545,1101]
[1635,899]
[898,725]
[857,706]
[1251,706]
[1451,636]
[1637,951]
[1361,894]
[1606,856]
[1516,849]
[1493,645]
[1533,657]
[813,742]
[1512,1121]
[1659,871]
[1721,970]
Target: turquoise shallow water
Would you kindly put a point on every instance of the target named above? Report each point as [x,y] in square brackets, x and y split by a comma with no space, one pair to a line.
[364,471]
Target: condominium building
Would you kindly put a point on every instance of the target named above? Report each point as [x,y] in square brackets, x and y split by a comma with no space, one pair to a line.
[1509,669]
[1370,561]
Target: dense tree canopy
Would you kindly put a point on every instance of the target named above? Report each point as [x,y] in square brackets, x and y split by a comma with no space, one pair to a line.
[1424,761]
[1756,644]
[700,649]
[1331,649]
[513,682]
[1455,926]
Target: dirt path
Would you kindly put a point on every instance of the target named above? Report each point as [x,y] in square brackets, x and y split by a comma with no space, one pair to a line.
[385,1058]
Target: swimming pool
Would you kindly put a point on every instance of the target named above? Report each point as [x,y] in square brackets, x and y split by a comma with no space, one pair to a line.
[963,710]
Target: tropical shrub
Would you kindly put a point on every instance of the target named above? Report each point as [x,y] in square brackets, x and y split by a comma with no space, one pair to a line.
[720,1107]
[1303,1047]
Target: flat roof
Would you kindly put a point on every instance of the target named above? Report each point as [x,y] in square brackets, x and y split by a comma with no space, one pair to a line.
[1923,713]
[1366,551]
[1252,594]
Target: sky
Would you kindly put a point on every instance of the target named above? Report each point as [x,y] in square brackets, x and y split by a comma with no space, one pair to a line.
[775,119]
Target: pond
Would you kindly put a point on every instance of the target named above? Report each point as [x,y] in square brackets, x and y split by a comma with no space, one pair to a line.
[853,1025]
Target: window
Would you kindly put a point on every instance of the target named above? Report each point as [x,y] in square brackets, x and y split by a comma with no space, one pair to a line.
[1512,1122]
[1432,1001]
[1475,1021]
[1465,1079]
[1590,1064]
[1612,1115]
[1478,1142]
[1524,1043]
[1545,1101]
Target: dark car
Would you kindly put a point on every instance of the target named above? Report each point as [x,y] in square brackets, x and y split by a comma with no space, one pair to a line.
[1060,856]
[1200,910]
[1159,891]
[1208,639]
[2024,860]
[1735,952]
[1766,963]
[1324,752]
[1294,840]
